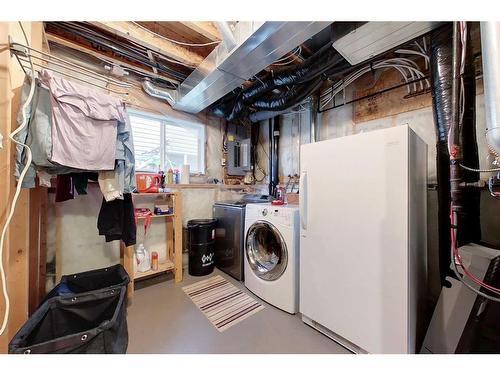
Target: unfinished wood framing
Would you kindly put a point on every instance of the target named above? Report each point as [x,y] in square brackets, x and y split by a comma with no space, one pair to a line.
[173,261]
[135,33]
[178,236]
[37,246]
[127,260]
[34,246]
[16,249]
[207,29]
[103,56]
[42,261]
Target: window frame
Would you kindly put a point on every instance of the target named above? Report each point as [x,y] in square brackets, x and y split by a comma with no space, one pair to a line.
[164,120]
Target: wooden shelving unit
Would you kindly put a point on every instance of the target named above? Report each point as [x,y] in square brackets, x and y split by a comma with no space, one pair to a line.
[156,216]
[174,244]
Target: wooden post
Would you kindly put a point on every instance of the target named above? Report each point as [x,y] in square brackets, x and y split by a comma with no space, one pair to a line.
[42,262]
[58,241]
[178,236]
[127,257]
[34,247]
[170,238]
[16,245]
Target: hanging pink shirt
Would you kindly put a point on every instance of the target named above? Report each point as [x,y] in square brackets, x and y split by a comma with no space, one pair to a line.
[84,124]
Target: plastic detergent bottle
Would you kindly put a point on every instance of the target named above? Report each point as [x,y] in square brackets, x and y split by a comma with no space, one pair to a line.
[170,177]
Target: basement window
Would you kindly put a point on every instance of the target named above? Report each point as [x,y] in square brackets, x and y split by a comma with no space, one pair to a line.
[162,143]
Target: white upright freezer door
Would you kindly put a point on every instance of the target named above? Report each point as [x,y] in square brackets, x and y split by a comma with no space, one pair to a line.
[354,238]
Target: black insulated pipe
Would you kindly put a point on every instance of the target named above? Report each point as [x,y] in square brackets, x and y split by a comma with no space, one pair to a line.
[441,84]
[276,140]
[274,136]
[290,98]
[270,123]
[300,82]
[317,64]
[469,219]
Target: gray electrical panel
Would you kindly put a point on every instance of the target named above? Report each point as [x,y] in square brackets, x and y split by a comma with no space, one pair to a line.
[239,149]
[238,157]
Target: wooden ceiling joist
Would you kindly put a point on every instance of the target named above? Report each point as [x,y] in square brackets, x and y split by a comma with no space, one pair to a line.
[207,29]
[103,56]
[137,34]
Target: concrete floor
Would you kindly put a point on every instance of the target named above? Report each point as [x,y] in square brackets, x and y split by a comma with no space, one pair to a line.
[162,319]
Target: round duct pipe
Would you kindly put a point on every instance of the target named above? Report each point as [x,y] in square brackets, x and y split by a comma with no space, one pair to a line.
[161,93]
[490,48]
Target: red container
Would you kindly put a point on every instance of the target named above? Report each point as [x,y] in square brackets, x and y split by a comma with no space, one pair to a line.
[148,182]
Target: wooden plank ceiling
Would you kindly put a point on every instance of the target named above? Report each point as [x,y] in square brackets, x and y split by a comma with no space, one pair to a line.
[166,51]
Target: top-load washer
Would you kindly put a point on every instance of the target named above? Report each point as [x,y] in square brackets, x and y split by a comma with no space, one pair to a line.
[272,254]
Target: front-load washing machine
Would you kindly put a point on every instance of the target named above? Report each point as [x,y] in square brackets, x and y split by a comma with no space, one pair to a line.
[272,254]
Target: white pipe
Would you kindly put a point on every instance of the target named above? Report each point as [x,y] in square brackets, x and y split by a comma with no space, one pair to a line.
[490,48]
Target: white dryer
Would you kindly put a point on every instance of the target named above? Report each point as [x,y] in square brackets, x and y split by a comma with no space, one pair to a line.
[272,254]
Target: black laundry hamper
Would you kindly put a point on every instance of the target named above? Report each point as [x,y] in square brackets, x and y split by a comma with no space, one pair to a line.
[103,278]
[85,313]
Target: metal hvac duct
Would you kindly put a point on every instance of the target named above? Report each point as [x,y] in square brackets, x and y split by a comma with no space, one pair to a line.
[258,44]
[226,35]
[374,38]
[490,48]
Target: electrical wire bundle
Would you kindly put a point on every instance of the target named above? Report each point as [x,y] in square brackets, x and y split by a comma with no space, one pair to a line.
[408,69]
[130,50]
[289,58]
[474,281]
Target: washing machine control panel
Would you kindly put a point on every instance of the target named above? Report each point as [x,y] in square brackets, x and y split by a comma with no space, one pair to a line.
[276,213]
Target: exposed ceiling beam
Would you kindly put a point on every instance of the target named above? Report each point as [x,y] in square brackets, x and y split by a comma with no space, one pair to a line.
[207,29]
[137,34]
[100,55]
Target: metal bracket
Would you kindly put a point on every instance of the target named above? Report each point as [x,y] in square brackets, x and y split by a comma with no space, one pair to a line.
[16,49]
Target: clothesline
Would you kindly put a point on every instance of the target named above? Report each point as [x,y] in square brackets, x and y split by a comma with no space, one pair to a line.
[24,53]
[80,134]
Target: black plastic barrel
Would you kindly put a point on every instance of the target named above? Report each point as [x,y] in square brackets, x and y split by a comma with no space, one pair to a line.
[201,245]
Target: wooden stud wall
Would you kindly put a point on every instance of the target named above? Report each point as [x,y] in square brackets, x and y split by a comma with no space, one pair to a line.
[16,250]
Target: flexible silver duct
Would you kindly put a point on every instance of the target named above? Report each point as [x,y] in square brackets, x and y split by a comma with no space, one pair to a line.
[490,47]
[157,92]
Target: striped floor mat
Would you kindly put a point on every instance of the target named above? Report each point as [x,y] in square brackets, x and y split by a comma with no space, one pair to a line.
[221,302]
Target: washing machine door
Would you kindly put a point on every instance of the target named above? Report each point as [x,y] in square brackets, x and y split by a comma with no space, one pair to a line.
[266,251]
